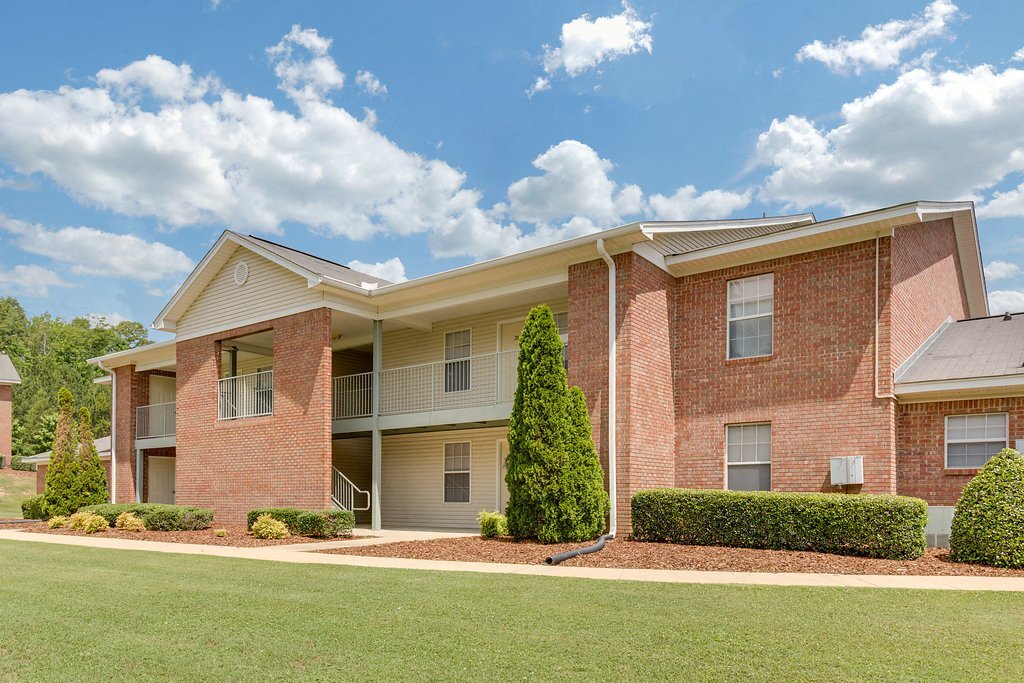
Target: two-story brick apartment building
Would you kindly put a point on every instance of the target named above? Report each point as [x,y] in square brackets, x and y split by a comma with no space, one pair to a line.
[727,353]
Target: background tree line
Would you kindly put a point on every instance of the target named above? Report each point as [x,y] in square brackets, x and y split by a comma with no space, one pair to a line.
[50,353]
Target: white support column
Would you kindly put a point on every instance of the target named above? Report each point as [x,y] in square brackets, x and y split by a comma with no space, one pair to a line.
[139,473]
[378,337]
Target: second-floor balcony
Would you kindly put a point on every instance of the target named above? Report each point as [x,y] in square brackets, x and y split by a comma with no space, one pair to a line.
[156,421]
[249,395]
[473,382]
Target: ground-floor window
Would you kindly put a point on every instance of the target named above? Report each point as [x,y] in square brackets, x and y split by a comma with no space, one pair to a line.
[972,439]
[748,449]
[456,472]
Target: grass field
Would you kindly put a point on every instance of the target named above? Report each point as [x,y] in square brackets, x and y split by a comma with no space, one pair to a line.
[89,614]
[14,488]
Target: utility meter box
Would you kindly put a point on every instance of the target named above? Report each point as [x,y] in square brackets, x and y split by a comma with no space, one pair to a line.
[847,470]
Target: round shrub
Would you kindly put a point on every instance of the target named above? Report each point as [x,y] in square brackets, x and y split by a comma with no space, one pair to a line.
[988,524]
[126,521]
[268,527]
[88,522]
[56,522]
[34,507]
[492,524]
[220,533]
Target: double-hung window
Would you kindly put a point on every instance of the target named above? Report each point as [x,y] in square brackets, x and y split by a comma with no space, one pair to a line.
[457,365]
[456,472]
[750,310]
[748,454]
[972,439]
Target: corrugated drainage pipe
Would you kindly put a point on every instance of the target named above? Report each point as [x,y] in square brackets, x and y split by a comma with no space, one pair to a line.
[569,554]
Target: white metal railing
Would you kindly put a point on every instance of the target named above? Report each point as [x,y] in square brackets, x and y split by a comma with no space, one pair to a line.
[155,420]
[249,395]
[353,396]
[487,379]
[344,492]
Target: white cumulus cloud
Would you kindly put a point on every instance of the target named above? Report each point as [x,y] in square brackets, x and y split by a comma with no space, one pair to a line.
[392,270]
[1018,56]
[32,281]
[1001,270]
[881,46]
[369,83]
[96,252]
[689,204]
[585,43]
[951,134]
[1006,301]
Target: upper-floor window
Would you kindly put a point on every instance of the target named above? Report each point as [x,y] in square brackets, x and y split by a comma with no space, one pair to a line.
[750,316]
[748,456]
[457,366]
[972,439]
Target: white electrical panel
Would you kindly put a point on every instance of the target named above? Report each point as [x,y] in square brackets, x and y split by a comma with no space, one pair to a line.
[847,470]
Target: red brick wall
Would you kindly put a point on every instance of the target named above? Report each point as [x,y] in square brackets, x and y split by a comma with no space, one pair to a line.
[927,284]
[6,422]
[921,445]
[817,389]
[588,344]
[131,390]
[283,459]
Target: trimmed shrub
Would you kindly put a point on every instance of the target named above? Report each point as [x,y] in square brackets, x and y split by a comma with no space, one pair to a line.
[315,523]
[34,508]
[266,526]
[492,524]
[62,487]
[157,516]
[88,522]
[890,527]
[555,481]
[56,522]
[127,521]
[91,487]
[17,463]
[220,533]
[988,523]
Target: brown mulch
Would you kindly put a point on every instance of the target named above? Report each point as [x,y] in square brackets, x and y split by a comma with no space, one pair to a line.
[237,536]
[626,554]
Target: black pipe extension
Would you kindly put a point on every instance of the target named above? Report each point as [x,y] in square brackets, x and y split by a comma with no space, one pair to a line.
[569,554]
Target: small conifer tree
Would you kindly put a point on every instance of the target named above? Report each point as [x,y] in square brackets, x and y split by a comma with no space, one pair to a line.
[60,491]
[92,478]
[555,481]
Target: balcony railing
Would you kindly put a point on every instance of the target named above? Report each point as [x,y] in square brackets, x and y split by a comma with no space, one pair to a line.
[246,396]
[483,380]
[155,420]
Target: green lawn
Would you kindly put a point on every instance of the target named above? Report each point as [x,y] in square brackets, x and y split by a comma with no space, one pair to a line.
[14,488]
[85,614]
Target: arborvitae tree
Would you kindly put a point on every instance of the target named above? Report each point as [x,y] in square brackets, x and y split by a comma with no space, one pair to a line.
[92,478]
[555,484]
[60,492]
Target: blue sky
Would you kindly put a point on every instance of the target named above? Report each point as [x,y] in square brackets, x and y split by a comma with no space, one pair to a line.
[414,137]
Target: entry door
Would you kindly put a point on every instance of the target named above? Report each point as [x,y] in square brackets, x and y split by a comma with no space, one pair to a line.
[161,479]
[502,471]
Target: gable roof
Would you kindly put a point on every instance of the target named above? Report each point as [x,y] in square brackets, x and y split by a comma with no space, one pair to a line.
[971,349]
[8,373]
[321,266]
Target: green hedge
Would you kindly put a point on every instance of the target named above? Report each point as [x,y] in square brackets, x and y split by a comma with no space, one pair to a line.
[18,464]
[157,516]
[889,527]
[315,523]
[34,508]
[988,524]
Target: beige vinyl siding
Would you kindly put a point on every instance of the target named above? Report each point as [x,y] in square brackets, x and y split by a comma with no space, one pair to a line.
[412,479]
[269,289]
[354,459]
[412,347]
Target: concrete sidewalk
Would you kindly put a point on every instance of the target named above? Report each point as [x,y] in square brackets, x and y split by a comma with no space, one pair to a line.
[306,554]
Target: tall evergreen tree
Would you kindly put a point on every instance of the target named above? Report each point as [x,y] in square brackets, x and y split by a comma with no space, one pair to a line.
[92,478]
[555,482]
[62,472]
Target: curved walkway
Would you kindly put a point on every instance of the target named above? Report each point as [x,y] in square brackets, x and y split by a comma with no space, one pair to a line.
[305,553]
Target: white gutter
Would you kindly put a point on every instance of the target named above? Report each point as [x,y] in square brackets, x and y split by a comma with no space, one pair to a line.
[612,493]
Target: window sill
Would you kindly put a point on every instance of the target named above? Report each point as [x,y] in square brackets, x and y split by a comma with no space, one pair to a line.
[960,471]
[750,360]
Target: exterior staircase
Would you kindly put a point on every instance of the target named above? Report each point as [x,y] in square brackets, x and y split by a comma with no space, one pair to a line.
[345,495]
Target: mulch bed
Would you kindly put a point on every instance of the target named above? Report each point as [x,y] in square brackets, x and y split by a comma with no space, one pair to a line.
[237,536]
[626,554]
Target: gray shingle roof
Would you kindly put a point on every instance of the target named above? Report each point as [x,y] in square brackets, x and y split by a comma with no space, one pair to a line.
[8,375]
[967,349]
[318,265]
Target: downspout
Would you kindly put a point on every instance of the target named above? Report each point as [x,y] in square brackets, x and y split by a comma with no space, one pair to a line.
[113,436]
[612,489]
[877,269]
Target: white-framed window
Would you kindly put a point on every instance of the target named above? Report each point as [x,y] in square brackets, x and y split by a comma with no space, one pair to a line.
[750,311]
[972,439]
[748,456]
[458,347]
[457,458]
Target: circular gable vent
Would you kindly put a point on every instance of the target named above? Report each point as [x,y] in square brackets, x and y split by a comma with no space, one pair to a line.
[241,273]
